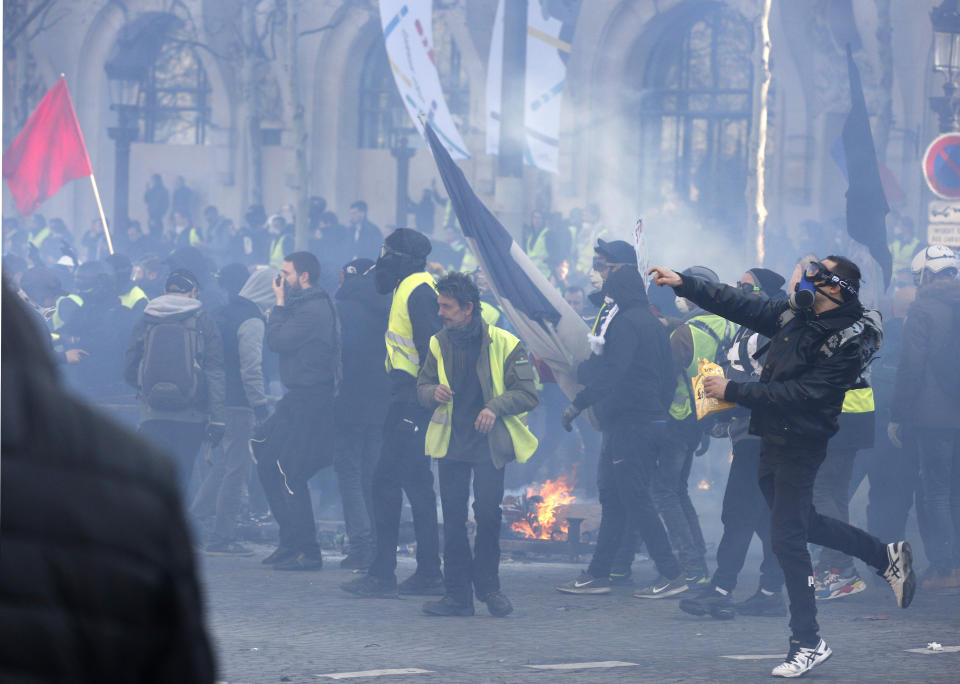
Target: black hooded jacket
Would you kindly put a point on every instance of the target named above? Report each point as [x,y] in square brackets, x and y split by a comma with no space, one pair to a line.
[633,378]
[363,313]
[802,386]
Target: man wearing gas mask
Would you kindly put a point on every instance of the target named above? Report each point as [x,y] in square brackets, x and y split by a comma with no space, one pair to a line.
[821,340]
[404,465]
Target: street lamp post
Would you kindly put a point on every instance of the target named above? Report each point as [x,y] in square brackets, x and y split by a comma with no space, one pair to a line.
[946,60]
[402,152]
[124,94]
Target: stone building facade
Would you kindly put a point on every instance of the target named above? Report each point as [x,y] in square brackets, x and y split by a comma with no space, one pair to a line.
[660,111]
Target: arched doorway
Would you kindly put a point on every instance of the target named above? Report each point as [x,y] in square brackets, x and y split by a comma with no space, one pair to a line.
[690,106]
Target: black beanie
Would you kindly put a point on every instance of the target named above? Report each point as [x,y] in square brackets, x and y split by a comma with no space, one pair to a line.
[616,251]
[233,277]
[769,281]
[410,242]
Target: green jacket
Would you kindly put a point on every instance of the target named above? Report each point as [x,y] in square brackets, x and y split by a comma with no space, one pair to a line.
[519,396]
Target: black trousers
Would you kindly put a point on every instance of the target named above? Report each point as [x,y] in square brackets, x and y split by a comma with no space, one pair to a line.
[787,475]
[464,570]
[745,513]
[404,467]
[831,496]
[298,443]
[628,457]
[671,495]
[181,441]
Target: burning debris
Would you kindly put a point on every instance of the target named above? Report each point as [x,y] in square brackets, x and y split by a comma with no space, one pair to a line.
[537,509]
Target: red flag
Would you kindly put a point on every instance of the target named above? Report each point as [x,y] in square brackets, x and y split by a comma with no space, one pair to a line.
[48,153]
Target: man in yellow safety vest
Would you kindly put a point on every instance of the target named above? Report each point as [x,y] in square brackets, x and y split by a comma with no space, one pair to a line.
[479,382]
[403,465]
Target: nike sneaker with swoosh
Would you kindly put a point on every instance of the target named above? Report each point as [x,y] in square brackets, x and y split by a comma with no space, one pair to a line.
[663,588]
[586,584]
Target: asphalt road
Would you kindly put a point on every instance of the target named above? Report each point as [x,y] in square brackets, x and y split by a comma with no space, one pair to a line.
[273,626]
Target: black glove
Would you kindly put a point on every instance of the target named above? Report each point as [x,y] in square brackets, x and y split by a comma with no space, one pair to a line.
[260,414]
[215,432]
[568,416]
[704,445]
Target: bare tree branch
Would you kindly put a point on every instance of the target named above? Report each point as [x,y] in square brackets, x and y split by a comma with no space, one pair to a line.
[42,7]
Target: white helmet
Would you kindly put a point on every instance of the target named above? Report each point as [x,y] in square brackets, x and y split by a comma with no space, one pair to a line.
[936,259]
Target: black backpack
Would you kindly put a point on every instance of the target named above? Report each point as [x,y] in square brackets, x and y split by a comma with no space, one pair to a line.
[171,377]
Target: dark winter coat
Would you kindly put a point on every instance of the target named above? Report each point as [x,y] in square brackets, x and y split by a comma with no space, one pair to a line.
[305,332]
[97,576]
[802,386]
[633,379]
[919,398]
[242,329]
[365,391]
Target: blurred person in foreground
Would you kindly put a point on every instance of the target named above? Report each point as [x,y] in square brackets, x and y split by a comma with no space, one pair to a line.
[479,382]
[90,516]
[821,340]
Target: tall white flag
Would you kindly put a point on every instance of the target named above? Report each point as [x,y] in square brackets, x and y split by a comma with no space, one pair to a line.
[549,31]
[408,35]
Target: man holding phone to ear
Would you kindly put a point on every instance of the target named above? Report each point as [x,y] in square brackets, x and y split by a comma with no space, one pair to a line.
[295,442]
[821,340]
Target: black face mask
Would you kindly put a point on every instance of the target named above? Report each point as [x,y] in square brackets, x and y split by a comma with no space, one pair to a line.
[393,267]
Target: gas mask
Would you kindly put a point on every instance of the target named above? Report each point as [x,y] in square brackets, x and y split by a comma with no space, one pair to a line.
[683,305]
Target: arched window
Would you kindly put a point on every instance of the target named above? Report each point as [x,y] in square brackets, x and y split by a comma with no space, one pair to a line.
[695,109]
[380,106]
[174,97]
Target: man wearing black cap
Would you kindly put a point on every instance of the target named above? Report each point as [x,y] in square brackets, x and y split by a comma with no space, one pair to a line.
[175,360]
[403,465]
[745,512]
[628,381]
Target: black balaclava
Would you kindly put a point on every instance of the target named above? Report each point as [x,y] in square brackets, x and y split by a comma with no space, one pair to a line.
[405,252]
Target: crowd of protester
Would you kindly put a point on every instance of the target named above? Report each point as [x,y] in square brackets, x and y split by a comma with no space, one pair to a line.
[228,342]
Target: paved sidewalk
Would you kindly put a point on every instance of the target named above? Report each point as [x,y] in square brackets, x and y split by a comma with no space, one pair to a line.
[295,627]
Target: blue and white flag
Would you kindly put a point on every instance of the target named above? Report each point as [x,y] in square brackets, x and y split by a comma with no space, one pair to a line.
[550,329]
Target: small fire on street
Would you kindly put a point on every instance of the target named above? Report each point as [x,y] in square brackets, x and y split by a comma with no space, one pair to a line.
[540,518]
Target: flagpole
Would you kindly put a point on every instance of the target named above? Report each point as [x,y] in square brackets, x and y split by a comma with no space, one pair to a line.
[103,217]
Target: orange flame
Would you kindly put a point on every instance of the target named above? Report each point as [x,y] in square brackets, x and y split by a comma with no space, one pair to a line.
[544,524]
[703,484]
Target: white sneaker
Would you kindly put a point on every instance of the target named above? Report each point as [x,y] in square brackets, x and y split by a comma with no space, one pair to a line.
[899,573]
[802,659]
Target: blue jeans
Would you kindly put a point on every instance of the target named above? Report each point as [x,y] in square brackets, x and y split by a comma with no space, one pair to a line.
[940,482]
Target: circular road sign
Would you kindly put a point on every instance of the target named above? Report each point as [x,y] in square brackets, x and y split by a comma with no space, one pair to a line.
[941,166]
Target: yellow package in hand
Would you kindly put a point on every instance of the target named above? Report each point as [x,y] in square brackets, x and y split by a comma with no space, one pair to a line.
[707,405]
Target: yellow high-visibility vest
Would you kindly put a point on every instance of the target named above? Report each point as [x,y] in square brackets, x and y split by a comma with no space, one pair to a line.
[131,298]
[704,347]
[502,345]
[58,322]
[858,400]
[489,313]
[37,239]
[401,350]
[277,253]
